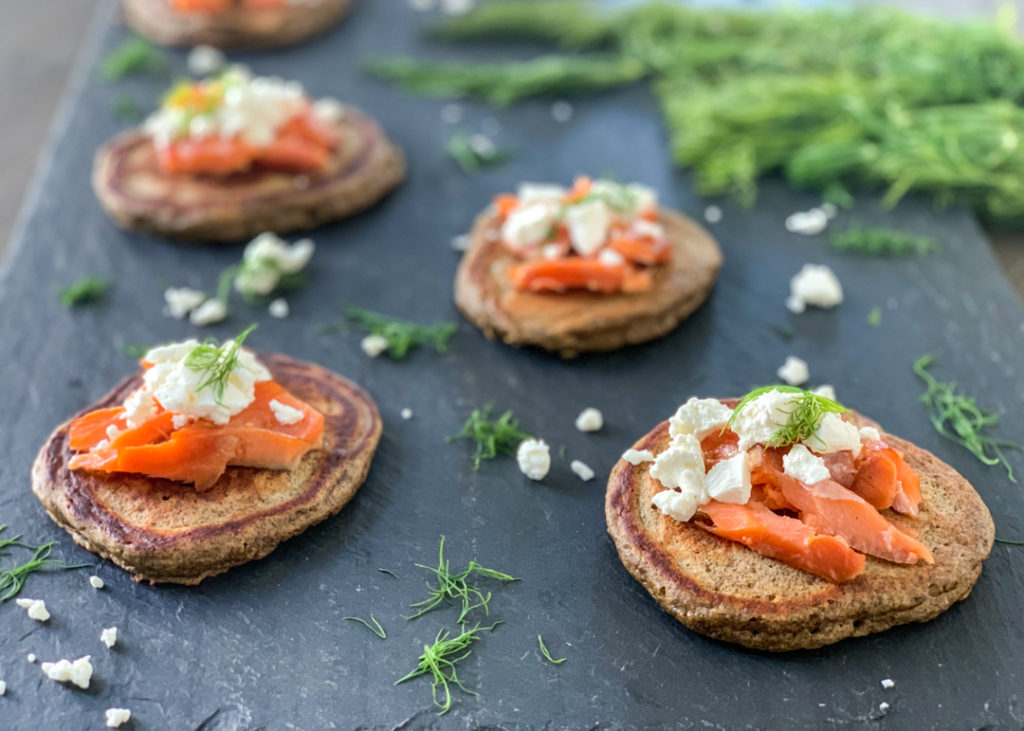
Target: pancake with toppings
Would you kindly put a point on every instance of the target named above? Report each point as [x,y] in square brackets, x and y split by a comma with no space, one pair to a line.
[723,589]
[165,531]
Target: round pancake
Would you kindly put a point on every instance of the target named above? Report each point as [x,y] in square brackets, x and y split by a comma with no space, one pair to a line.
[575,322]
[727,591]
[163,531]
[139,196]
[236,28]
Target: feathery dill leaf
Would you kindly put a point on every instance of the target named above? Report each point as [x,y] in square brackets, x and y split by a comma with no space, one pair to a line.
[958,417]
[492,438]
[880,241]
[86,291]
[373,625]
[216,362]
[456,587]
[402,335]
[1008,542]
[13,578]
[547,655]
[471,153]
[133,56]
[439,661]
[804,418]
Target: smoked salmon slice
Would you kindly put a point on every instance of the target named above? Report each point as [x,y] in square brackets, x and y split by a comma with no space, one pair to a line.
[560,275]
[876,480]
[784,539]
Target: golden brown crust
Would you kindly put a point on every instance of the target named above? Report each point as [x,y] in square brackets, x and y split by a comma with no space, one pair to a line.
[727,591]
[161,531]
[140,197]
[234,29]
[577,322]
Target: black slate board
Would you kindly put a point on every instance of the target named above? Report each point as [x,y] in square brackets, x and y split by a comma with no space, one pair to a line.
[265,646]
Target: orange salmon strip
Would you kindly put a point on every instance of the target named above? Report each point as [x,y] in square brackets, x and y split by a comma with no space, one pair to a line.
[560,275]
[640,251]
[876,480]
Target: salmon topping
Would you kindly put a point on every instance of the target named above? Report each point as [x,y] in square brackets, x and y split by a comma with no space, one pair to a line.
[220,6]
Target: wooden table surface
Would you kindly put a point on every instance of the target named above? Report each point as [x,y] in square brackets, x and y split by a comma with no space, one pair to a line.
[39,41]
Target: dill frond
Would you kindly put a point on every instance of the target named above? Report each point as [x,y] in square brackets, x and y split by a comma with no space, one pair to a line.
[373,625]
[958,418]
[456,587]
[471,156]
[492,438]
[133,56]
[439,660]
[804,419]
[547,655]
[878,241]
[86,291]
[13,578]
[402,335]
[216,362]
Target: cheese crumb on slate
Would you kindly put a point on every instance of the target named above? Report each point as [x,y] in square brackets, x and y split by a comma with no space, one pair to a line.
[814,284]
[638,456]
[534,458]
[561,111]
[406,413]
[374,345]
[179,301]
[461,242]
[96,582]
[279,308]
[210,312]
[78,672]
[109,636]
[205,60]
[883,707]
[794,371]
[582,470]
[31,657]
[808,223]
[888,683]
[451,113]
[712,214]
[3,687]
[36,608]
[115,717]
[590,419]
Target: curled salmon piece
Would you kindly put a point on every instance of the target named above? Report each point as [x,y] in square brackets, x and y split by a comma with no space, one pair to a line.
[562,275]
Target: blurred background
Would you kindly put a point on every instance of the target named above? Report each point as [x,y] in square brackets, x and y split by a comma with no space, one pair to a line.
[40,40]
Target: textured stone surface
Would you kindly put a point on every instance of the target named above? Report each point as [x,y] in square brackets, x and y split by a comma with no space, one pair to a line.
[265,646]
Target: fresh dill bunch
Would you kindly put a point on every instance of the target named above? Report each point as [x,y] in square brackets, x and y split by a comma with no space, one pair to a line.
[473,152]
[216,362]
[547,654]
[492,438]
[959,418]
[86,291]
[804,419]
[134,56]
[875,316]
[402,335]
[880,241]
[13,578]
[373,625]
[456,588]
[439,661]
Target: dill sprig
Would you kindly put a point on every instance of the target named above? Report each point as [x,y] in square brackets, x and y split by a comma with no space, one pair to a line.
[216,362]
[373,625]
[439,661]
[959,418]
[456,588]
[879,241]
[13,578]
[547,655]
[471,153]
[133,56]
[86,291]
[402,335]
[492,438]
[804,419]
[389,572]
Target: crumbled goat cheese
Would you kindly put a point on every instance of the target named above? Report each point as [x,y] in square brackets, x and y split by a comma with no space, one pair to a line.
[869,434]
[109,636]
[461,242]
[794,371]
[712,214]
[534,458]
[96,582]
[647,229]
[638,456]
[610,257]
[590,419]
[279,308]
[31,657]
[266,258]
[180,420]
[139,407]
[205,60]
[78,672]
[540,193]
[835,435]
[757,422]
[561,111]
[588,224]
[406,413]
[808,223]
[888,683]
[179,301]
[699,417]
[582,470]
[284,413]
[374,345]
[803,465]
[209,313]
[329,110]
[883,707]
[115,717]
[527,225]
[35,608]
[814,284]
[451,113]
[826,390]
[729,480]
[678,505]
[3,688]
[681,465]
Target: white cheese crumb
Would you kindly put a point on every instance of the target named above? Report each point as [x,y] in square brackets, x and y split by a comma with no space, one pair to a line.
[712,214]
[540,193]
[527,225]
[699,417]
[638,456]
[330,110]
[803,465]
[829,209]
[582,470]
[406,413]
[374,345]
[457,7]
[36,608]
[461,242]
[835,435]
[794,371]
[814,284]
[758,421]
[96,582]
[78,672]
[826,390]
[610,257]
[284,413]
[561,111]
[884,707]
[279,308]
[590,419]
[31,657]
[210,312]
[588,224]
[534,458]
[678,505]
[888,683]
[179,301]
[109,636]
[205,60]
[139,408]
[3,688]
[729,480]
[451,113]
[115,717]
[869,434]
[681,465]
[481,144]
[808,223]
[179,420]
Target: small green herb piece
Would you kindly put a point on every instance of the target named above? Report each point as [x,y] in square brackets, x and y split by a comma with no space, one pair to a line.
[492,438]
[959,418]
[473,152]
[12,579]
[547,655]
[877,241]
[402,335]
[875,316]
[133,350]
[86,291]
[125,107]
[215,362]
[456,587]
[388,572]
[785,332]
[804,419]
[134,56]
[1009,542]
[373,625]
[439,661]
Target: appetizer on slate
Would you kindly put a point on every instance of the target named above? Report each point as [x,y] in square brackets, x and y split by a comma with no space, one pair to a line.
[208,458]
[232,23]
[785,521]
[230,157]
[595,267]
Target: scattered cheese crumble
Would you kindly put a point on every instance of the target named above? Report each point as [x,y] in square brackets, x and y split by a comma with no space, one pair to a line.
[699,417]
[96,582]
[561,111]
[814,284]
[729,480]
[279,308]
[179,301]
[638,456]
[794,371]
[3,688]
[534,458]
[590,419]
[582,470]
[888,683]
[31,657]
[803,465]
[406,413]
[109,636]
[267,258]
[808,223]
[78,672]
[35,608]
[374,345]
[870,434]
[115,717]
[205,60]
[712,214]
[209,313]
[284,413]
